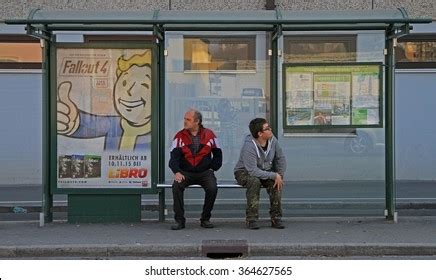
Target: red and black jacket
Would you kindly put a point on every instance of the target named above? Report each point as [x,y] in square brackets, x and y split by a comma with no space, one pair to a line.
[209,155]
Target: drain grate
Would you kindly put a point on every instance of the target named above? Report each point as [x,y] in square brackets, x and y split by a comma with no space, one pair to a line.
[224,249]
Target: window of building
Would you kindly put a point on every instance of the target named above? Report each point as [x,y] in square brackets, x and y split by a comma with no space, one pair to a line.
[416,51]
[20,52]
[332,48]
[223,54]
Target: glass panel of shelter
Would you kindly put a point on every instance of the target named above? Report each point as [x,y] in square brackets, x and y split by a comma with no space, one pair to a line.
[226,78]
[326,167]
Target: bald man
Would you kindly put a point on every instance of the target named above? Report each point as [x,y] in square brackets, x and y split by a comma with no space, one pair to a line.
[195,156]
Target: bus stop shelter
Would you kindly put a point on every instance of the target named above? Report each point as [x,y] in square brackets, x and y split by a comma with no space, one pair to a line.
[117,197]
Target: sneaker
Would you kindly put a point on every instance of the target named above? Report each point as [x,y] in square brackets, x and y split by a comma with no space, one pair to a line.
[178,226]
[277,224]
[206,224]
[252,225]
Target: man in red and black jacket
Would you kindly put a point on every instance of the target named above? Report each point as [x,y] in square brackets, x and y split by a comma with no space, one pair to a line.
[195,155]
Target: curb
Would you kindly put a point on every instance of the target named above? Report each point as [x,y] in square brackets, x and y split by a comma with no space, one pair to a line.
[239,206]
[343,250]
[99,251]
[195,250]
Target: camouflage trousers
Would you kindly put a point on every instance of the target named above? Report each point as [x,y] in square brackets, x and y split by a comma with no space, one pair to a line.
[253,185]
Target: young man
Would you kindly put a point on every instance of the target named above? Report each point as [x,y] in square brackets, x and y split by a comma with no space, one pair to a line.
[195,155]
[261,163]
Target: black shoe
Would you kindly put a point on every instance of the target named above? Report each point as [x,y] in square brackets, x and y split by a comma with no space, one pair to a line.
[206,224]
[252,225]
[178,226]
[277,224]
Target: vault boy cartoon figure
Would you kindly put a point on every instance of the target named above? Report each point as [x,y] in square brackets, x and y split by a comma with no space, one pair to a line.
[132,100]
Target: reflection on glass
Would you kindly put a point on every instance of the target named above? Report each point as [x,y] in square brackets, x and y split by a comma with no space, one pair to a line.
[219,54]
[20,52]
[320,48]
[416,52]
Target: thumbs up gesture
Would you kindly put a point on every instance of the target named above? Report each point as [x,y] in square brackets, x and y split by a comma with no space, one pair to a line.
[67,113]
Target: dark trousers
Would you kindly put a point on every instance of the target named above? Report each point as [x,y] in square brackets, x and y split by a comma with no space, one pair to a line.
[207,181]
[253,185]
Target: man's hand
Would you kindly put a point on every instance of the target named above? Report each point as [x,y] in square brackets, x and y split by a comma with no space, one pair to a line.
[278,182]
[67,112]
[178,177]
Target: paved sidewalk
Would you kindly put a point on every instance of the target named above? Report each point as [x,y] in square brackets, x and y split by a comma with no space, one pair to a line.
[303,237]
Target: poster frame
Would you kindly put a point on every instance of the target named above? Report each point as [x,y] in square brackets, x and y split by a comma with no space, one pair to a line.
[331,128]
[154,122]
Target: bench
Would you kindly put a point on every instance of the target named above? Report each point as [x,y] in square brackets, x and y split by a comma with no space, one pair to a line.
[161,190]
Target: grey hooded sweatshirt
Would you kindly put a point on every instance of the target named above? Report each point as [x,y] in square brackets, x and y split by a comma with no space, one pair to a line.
[259,163]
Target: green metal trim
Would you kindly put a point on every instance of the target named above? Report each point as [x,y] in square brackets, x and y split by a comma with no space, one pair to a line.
[104,208]
[156,14]
[219,28]
[273,81]
[278,13]
[158,32]
[53,116]
[259,21]
[284,65]
[390,144]
[53,125]
[161,106]
[137,27]
[162,205]
[216,22]
[298,129]
[333,27]
[402,31]
[381,100]
[104,191]
[38,32]
[278,32]
[32,13]
[155,129]
[403,12]
[41,32]
[103,45]
[254,18]
[99,28]
[47,197]
[161,134]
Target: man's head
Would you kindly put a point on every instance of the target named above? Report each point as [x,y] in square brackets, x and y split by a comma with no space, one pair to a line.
[132,90]
[192,120]
[259,128]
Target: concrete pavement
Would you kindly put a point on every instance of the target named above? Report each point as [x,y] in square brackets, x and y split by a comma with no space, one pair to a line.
[303,237]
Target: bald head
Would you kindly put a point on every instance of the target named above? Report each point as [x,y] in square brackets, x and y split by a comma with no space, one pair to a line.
[192,120]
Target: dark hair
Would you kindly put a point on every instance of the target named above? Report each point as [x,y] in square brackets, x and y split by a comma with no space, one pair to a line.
[198,116]
[256,126]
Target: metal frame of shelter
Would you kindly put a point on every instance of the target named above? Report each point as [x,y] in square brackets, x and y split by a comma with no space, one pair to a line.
[44,24]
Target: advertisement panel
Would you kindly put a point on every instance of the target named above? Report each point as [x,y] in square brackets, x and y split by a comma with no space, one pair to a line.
[103,114]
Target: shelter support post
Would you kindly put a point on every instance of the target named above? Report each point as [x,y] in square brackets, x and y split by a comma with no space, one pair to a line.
[47,196]
[390,124]
[274,77]
[159,33]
